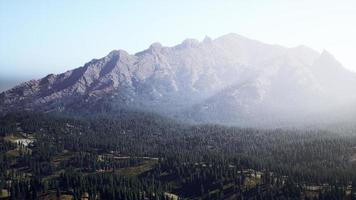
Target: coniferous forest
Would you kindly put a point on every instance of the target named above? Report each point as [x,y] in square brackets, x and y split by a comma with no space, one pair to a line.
[133,155]
[177,100]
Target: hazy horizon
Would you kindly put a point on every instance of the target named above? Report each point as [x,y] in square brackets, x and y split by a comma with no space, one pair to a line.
[7,82]
[52,37]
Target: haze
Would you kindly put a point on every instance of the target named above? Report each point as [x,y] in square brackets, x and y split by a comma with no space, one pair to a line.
[184,99]
[42,37]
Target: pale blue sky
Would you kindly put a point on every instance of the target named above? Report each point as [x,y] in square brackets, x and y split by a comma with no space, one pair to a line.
[42,37]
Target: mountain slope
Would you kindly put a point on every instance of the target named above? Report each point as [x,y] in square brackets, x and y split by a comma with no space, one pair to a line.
[231,79]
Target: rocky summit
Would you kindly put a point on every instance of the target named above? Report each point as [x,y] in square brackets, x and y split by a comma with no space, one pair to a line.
[228,80]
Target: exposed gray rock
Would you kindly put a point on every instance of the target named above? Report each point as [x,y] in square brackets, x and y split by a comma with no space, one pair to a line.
[230,79]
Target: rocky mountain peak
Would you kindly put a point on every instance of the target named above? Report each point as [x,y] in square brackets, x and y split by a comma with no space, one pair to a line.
[232,79]
[207,40]
[155,46]
[189,43]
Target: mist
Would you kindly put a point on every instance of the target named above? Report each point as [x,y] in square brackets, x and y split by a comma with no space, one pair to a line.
[229,80]
[193,100]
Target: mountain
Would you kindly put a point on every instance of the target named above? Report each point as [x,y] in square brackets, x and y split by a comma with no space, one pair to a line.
[230,80]
[7,83]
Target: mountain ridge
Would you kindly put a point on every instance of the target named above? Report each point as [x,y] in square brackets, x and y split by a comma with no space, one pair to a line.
[231,73]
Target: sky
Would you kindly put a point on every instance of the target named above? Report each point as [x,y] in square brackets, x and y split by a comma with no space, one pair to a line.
[50,36]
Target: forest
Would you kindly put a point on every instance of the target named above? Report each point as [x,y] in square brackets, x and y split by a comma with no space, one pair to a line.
[134,155]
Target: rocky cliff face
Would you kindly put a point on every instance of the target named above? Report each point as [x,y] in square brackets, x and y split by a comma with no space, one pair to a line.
[231,79]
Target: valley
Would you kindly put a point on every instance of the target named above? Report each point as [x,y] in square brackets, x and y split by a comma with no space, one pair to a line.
[146,156]
[177,100]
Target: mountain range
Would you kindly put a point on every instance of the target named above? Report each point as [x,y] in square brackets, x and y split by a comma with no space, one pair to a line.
[229,80]
[8,83]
